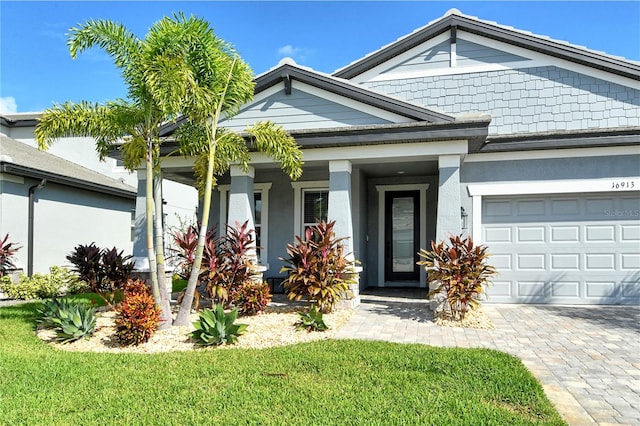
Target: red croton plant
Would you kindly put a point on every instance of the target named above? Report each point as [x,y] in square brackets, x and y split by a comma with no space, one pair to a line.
[460,270]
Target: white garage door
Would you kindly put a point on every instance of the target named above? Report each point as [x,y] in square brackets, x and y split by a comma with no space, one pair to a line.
[565,249]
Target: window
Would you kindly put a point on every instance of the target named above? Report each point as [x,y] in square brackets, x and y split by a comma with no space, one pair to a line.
[260,216]
[315,207]
[311,202]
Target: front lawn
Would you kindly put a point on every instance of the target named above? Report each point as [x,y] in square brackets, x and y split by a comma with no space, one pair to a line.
[319,383]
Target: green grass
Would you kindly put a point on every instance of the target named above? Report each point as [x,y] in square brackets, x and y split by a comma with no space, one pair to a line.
[320,383]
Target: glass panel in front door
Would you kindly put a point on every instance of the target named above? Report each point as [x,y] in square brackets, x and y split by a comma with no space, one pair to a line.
[402,234]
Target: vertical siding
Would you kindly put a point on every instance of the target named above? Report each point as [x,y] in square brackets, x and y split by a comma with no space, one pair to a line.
[469,54]
[437,57]
[526,100]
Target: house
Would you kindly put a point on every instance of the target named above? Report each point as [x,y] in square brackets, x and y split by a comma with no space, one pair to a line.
[528,144]
[91,192]
[48,205]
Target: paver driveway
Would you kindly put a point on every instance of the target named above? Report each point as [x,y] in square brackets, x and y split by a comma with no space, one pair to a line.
[587,358]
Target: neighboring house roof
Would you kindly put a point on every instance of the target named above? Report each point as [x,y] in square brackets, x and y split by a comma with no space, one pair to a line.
[22,119]
[23,160]
[454,20]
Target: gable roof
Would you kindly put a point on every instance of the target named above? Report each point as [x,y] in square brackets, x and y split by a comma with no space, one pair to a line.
[288,70]
[454,20]
[23,160]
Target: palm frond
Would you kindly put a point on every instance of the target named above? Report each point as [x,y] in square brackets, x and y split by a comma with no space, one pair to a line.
[274,141]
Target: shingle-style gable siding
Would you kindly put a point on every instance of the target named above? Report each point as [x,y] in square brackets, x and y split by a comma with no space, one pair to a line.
[524,100]
[469,54]
[301,110]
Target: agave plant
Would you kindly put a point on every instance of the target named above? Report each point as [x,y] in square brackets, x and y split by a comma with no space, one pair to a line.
[311,321]
[216,327]
[74,322]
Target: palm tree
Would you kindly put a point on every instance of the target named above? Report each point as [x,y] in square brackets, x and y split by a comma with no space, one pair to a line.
[155,92]
[223,83]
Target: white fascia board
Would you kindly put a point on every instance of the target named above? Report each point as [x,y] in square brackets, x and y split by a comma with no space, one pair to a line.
[373,73]
[350,103]
[566,186]
[553,153]
[379,153]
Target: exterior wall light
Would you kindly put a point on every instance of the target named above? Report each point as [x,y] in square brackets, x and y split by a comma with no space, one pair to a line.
[463,218]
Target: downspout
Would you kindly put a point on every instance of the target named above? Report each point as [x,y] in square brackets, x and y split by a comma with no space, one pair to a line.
[32,191]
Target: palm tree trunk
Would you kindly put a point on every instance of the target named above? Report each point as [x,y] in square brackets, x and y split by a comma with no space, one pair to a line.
[153,272]
[165,306]
[185,307]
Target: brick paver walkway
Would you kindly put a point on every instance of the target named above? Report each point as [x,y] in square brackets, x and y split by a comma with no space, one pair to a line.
[587,358]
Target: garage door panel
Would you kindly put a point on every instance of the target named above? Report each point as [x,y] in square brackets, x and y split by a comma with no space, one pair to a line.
[564,249]
[565,207]
[630,261]
[531,234]
[535,262]
[564,234]
[599,233]
[630,233]
[498,235]
[565,262]
[565,289]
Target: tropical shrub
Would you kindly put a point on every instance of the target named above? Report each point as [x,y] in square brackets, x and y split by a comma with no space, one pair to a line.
[317,268]
[226,264]
[7,252]
[71,320]
[216,327]
[138,315]
[57,282]
[460,272]
[311,321]
[252,297]
[104,270]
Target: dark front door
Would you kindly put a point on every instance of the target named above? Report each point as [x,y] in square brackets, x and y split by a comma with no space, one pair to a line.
[401,236]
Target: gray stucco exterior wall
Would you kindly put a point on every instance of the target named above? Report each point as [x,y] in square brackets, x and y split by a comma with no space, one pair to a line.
[63,218]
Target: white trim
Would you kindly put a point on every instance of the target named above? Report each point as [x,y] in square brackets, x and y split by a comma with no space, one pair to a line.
[422,219]
[564,186]
[298,188]
[350,103]
[543,59]
[262,188]
[340,166]
[445,161]
[7,177]
[235,170]
[371,74]
[553,153]
[575,186]
[382,153]
[453,55]
[535,59]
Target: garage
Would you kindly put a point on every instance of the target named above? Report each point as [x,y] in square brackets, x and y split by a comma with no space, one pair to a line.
[564,248]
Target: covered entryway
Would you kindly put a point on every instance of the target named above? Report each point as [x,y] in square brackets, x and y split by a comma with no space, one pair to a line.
[564,248]
[402,230]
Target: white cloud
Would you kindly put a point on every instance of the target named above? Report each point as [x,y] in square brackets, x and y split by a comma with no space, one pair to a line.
[299,54]
[8,105]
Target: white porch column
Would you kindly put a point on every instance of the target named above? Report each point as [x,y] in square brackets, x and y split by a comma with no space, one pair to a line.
[241,201]
[448,216]
[340,211]
[140,252]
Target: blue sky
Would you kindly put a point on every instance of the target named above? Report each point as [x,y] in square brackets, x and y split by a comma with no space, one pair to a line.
[36,69]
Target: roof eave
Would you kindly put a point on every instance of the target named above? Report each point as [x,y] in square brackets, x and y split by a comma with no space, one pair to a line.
[527,41]
[24,171]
